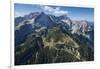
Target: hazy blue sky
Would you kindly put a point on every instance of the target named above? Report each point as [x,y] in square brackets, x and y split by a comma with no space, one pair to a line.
[76,13]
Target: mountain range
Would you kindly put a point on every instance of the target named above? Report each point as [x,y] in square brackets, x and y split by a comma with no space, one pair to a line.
[44,38]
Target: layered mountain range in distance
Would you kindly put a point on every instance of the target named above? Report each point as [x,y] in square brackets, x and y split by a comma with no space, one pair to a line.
[42,38]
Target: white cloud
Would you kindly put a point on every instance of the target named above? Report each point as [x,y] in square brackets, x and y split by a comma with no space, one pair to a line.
[55,11]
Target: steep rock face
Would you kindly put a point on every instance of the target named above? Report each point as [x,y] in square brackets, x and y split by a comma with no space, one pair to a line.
[44,20]
[30,16]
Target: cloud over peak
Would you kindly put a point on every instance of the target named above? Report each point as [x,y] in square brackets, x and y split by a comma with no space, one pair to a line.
[55,11]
